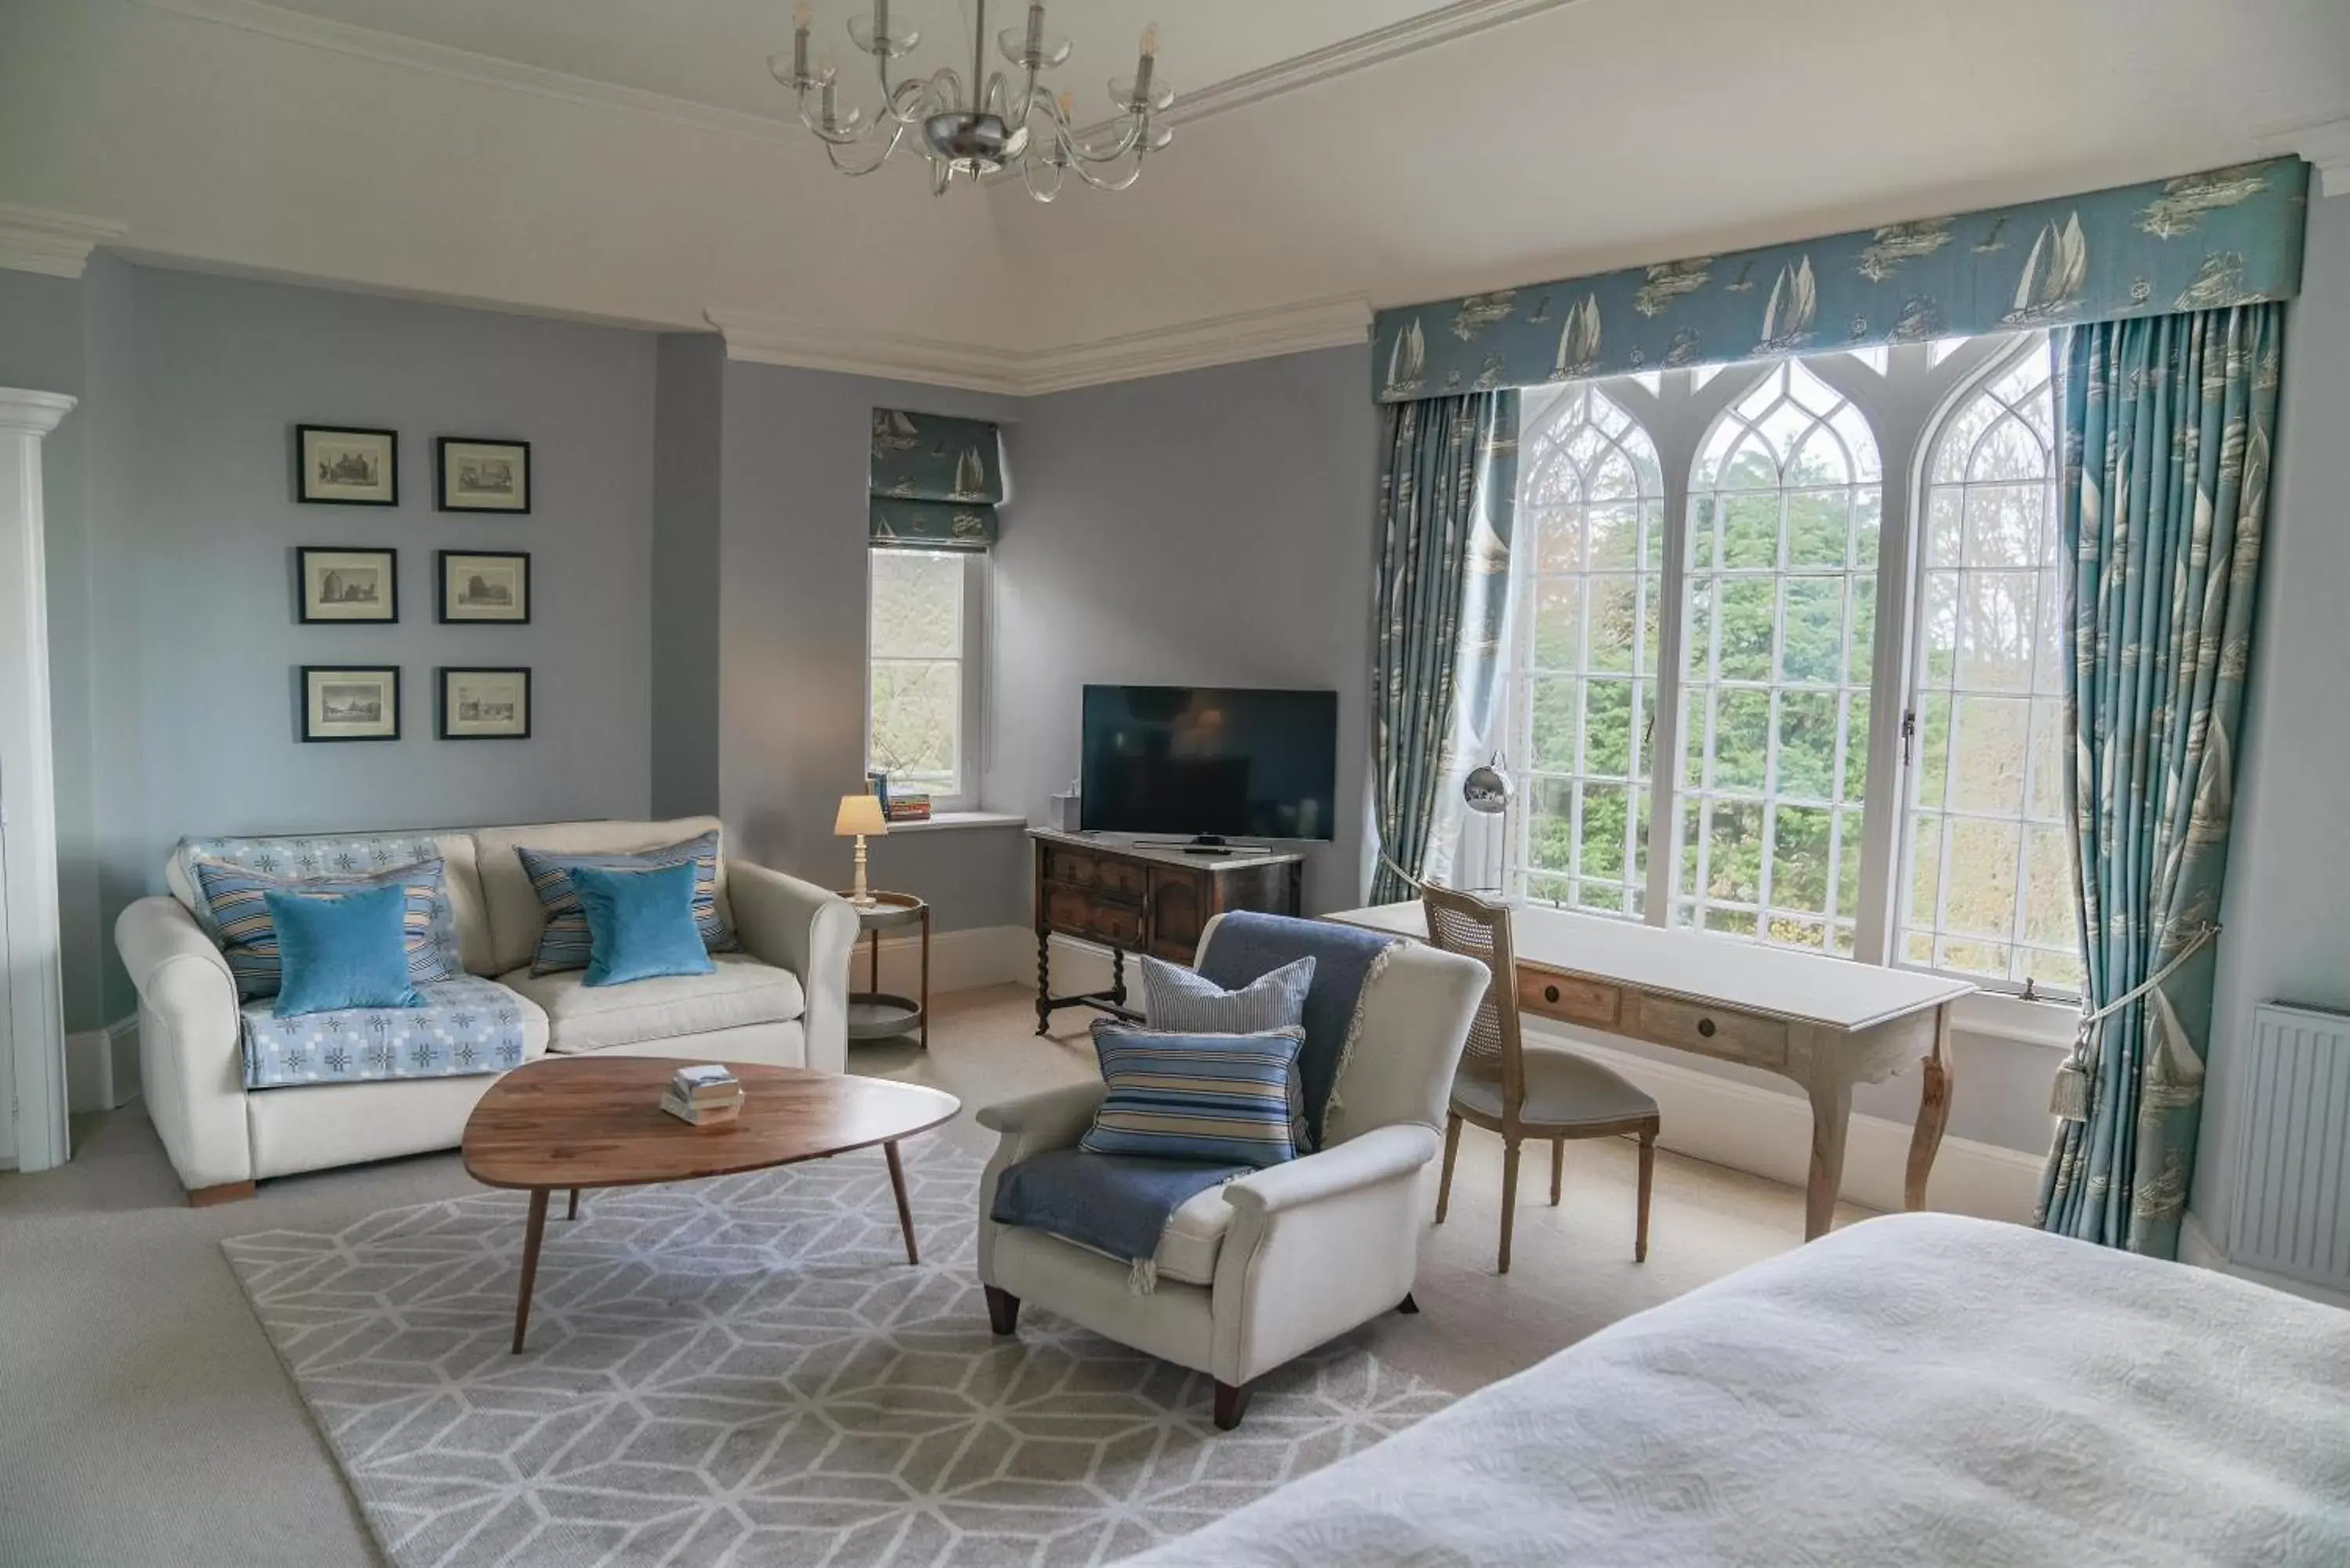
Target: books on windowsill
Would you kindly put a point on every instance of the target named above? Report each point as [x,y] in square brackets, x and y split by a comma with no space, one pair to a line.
[702,1096]
[907,807]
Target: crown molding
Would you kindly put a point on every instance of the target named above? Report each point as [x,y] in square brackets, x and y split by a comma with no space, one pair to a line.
[762,338]
[57,245]
[1297,328]
[2325,143]
[1460,19]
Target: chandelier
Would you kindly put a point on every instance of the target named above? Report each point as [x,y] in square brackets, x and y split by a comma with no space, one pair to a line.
[988,126]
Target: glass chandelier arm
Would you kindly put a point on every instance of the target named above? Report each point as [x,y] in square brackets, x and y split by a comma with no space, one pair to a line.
[1117,182]
[832,152]
[840,132]
[1129,138]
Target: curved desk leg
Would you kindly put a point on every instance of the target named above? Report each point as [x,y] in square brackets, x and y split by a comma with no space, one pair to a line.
[1831,1110]
[1933,1112]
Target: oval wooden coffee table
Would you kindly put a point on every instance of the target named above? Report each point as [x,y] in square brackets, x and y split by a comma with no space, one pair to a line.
[597,1121]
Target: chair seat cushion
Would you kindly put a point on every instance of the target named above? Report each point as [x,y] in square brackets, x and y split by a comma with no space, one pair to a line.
[739,991]
[467,1025]
[1563,1090]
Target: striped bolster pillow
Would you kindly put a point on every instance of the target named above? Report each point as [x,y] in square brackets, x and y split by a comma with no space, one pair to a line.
[236,910]
[1222,1099]
[565,945]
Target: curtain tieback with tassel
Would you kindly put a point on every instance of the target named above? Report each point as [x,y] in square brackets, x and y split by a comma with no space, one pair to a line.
[2073,1097]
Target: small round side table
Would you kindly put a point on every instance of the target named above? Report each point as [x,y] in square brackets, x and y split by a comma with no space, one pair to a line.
[874,1014]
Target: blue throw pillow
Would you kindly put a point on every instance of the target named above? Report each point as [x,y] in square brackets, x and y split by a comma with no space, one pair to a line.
[1218,1098]
[565,945]
[341,950]
[641,924]
[1175,1001]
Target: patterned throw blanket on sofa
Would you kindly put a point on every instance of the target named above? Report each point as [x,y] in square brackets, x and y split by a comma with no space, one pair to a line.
[466,1025]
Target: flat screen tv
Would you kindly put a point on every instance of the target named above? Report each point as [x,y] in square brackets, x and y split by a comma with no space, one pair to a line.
[1209,763]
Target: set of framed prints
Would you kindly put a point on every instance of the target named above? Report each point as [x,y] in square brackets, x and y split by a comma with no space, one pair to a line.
[361,702]
[362,585]
[344,467]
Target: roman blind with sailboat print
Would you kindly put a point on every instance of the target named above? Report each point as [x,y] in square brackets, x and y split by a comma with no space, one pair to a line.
[937,480]
[2228,236]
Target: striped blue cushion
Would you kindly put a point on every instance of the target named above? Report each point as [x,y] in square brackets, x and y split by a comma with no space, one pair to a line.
[1178,1000]
[565,945]
[1219,1098]
[231,905]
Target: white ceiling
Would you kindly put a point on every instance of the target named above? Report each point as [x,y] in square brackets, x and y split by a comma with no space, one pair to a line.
[1570,136]
[715,51]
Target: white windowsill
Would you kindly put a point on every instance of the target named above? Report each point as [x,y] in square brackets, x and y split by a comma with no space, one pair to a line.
[2003,1017]
[957,821]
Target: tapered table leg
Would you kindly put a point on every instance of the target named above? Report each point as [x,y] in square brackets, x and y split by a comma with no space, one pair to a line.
[573,1211]
[532,1236]
[905,1209]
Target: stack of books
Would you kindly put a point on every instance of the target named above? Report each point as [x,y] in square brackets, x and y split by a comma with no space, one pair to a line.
[906,806]
[702,1096]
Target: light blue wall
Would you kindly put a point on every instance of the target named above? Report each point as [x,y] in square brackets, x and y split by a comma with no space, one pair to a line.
[689,388]
[1211,528]
[2286,913]
[190,644]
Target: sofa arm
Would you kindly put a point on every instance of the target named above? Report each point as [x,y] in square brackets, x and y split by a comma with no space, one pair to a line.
[1317,1246]
[1382,1155]
[190,1058]
[1053,1119]
[805,928]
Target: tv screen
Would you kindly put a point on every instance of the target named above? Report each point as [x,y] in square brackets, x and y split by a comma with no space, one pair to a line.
[1207,762]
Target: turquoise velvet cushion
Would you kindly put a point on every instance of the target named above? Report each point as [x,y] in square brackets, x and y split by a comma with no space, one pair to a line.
[341,950]
[641,924]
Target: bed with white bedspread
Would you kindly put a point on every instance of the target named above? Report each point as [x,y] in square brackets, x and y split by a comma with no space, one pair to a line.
[1916,1389]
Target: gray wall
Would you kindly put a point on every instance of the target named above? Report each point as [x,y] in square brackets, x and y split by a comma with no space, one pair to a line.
[794,482]
[2286,913]
[690,385]
[192,644]
[1211,528]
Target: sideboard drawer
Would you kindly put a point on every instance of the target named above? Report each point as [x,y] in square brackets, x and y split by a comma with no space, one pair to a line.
[1073,866]
[1122,878]
[1068,910]
[1119,924]
[1568,998]
[1709,1031]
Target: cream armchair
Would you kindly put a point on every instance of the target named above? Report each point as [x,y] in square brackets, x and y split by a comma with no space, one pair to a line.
[1266,1267]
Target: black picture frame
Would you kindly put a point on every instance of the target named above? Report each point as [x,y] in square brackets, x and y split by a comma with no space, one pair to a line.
[304,607]
[444,500]
[529,702]
[306,479]
[442,599]
[310,735]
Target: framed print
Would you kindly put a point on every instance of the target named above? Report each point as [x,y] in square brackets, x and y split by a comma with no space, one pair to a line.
[483,476]
[484,704]
[347,585]
[350,702]
[493,585]
[348,467]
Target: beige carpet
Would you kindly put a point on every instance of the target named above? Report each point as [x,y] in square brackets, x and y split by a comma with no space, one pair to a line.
[145,1419]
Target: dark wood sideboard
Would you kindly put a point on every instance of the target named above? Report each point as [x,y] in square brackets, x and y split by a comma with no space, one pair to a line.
[1133,898]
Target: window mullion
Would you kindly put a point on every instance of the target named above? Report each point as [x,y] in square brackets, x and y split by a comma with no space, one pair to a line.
[1890,693]
[1676,451]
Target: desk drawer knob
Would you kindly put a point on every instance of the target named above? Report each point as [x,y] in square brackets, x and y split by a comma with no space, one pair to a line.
[1705,1026]
[1550,994]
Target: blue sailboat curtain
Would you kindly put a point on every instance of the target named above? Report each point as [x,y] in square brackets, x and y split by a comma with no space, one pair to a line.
[2202,242]
[1447,501]
[937,480]
[2168,427]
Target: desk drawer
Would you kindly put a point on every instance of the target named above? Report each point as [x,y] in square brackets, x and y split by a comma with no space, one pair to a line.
[1568,998]
[1708,1031]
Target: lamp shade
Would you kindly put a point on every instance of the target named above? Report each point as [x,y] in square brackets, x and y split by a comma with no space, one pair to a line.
[860,814]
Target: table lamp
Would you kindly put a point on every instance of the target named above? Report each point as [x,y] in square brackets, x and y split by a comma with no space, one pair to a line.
[860,815]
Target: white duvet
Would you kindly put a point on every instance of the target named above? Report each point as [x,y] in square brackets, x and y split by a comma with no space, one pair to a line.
[1915,1389]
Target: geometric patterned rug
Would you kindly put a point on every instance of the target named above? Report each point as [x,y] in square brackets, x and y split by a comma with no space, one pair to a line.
[744,1371]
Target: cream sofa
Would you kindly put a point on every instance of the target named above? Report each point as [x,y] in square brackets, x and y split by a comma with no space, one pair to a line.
[782,1000]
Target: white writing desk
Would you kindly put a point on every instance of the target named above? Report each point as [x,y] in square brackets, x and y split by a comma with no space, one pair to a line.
[1827,1023]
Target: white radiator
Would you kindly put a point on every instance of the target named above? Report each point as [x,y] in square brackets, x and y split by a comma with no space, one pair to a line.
[2293,1183]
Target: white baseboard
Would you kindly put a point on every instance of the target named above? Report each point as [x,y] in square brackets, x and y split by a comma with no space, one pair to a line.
[960,960]
[2197,1247]
[102,1066]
